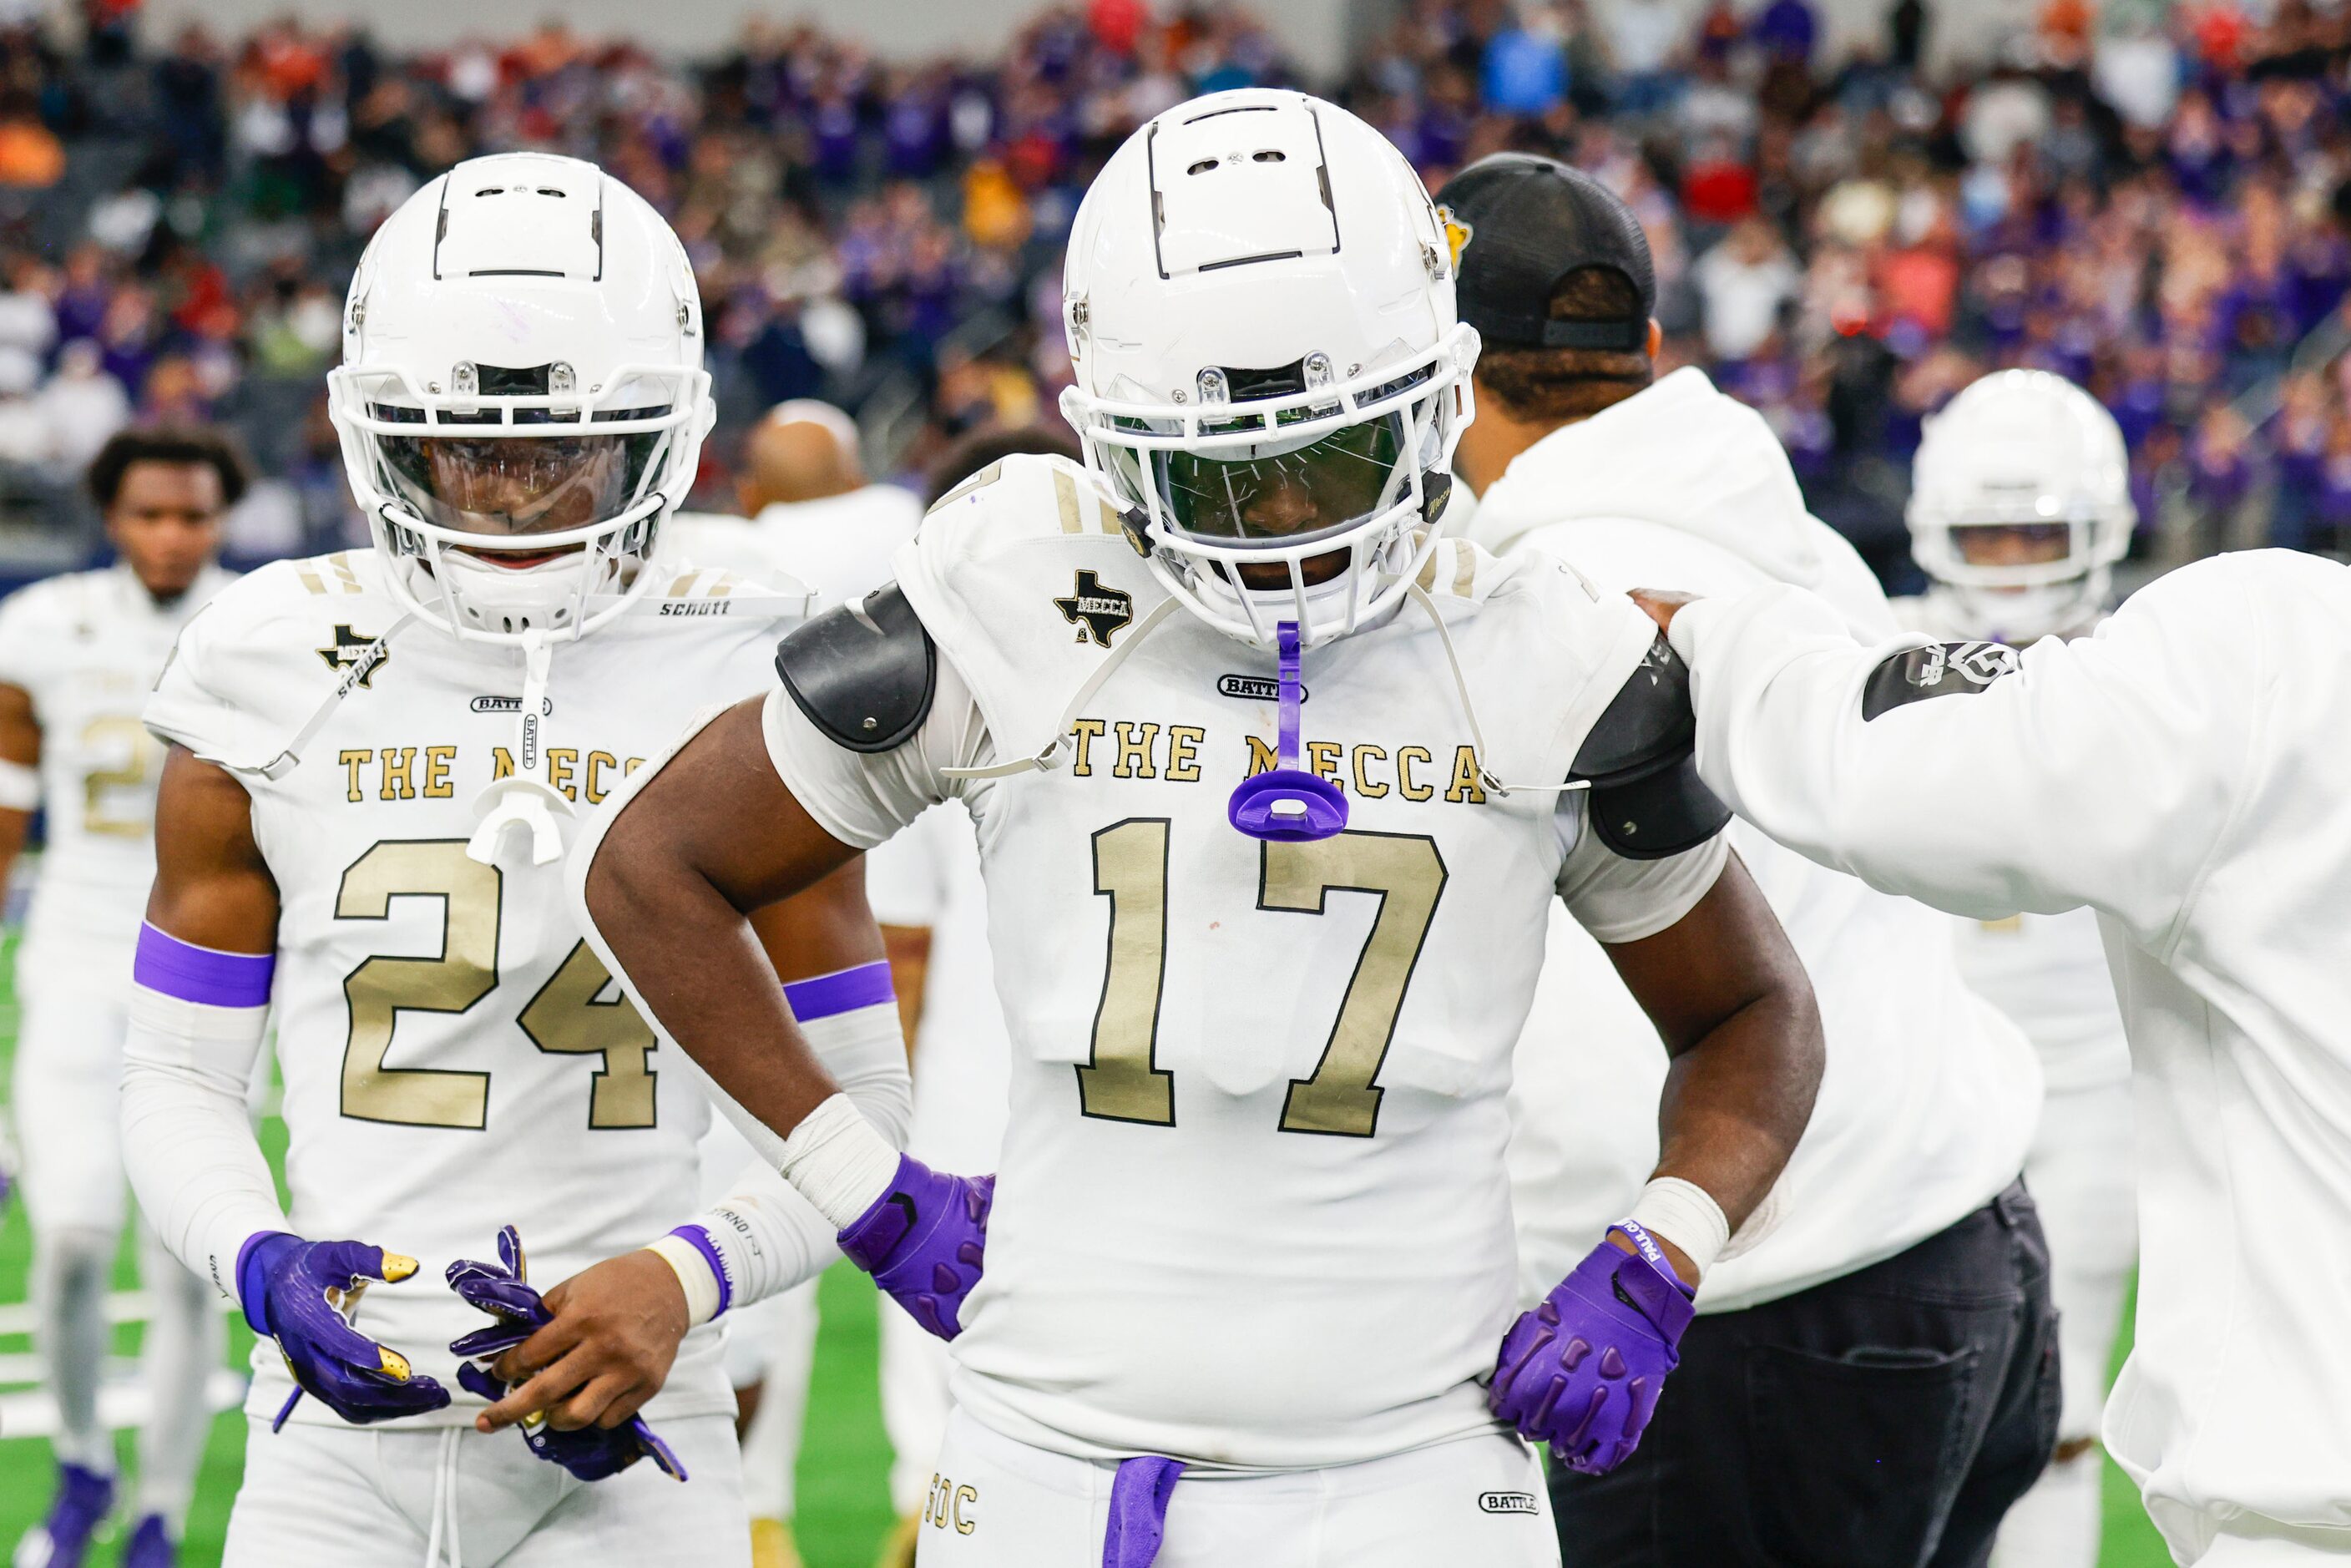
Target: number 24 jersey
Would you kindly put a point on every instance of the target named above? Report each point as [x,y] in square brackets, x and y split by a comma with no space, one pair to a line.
[454,1056]
[1252,1210]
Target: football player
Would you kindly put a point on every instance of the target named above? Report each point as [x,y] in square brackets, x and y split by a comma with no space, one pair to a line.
[2019,508]
[78,654]
[2183,772]
[1272,787]
[376,759]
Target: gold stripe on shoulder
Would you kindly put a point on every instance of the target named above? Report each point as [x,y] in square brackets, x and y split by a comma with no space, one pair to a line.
[1427,578]
[979,481]
[309,580]
[1065,497]
[1465,570]
[678,590]
[347,580]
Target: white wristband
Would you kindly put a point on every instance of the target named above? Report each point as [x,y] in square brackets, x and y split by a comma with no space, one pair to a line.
[1685,1214]
[20,787]
[696,1277]
[838,1162]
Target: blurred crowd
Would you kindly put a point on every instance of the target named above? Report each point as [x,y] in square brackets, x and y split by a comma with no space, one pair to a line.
[2143,196]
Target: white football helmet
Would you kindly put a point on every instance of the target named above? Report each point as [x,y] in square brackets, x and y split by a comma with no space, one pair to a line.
[2019,505]
[1269,372]
[521,378]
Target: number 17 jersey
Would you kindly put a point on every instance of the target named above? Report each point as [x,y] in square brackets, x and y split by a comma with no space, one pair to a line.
[1253,1211]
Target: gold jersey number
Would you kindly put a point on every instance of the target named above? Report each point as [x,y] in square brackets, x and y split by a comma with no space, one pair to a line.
[1123,1081]
[564,1017]
[102,788]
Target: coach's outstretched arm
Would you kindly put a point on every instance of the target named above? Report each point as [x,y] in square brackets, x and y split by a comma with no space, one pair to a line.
[666,892]
[2101,771]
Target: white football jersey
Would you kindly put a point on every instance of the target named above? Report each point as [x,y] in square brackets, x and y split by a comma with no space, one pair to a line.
[2185,772]
[87,646]
[1252,1210]
[454,1056]
[2048,973]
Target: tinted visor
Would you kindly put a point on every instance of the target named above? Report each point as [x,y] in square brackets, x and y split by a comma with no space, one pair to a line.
[511,485]
[1273,491]
[2013,544]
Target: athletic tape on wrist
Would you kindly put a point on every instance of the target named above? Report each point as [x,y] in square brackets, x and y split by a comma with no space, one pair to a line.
[843,991]
[20,787]
[204,976]
[1685,1214]
[839,1161]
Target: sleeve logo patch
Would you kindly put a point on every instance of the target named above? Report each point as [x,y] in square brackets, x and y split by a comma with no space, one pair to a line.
[1937,670]
[357,655]
[1097,612]
[1507,1501]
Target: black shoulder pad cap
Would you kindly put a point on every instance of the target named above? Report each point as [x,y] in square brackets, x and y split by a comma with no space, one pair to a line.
[1647,800]
[865,674]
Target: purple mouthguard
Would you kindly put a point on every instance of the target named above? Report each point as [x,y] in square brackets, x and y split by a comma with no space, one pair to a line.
[1287,804]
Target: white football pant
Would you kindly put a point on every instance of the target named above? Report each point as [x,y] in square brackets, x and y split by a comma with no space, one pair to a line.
[996,1504]
[773,1344]
[914,1403]
[2080,1175]
[68,1127]
[415,1499]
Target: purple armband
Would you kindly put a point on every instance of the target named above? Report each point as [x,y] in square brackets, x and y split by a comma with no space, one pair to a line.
[695,1237]
[843,991]
[163,963]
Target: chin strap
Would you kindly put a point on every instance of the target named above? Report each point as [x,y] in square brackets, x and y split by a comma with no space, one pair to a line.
[1049,755]
[1486,779]
[290,756]
[524,798]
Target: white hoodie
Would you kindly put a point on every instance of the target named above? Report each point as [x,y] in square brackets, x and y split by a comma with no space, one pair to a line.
[1930,1096]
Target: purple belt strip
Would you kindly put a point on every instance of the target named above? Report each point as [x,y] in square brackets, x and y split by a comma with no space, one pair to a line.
[1139,1495]
[843,991]
[164,963]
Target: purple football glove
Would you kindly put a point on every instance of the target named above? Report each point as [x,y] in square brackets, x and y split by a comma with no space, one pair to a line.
[303,1295]
[1584,1370]
[923,1241]
[500,1290]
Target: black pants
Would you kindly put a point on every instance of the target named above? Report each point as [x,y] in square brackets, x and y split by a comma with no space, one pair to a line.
[1887,1420]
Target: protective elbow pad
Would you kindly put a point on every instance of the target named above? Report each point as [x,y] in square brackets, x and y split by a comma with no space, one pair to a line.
[1640,759]
[865,674]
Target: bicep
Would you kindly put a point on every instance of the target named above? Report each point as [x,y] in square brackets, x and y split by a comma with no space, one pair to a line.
[213,887]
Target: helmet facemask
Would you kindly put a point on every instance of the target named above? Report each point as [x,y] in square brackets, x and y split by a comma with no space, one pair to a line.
[518,462]
[1283,497]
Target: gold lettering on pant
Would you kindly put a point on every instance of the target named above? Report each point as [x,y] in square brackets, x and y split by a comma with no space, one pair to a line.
[1135,743]
[945,1505]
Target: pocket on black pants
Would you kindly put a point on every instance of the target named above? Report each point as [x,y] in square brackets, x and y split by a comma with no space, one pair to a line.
[1856,1456]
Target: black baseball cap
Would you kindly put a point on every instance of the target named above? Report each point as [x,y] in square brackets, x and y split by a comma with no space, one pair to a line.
[1520,224]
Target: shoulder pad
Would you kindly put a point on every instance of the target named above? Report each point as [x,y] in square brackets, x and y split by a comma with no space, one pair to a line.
[1937,670]
[864,672]
[1647,800]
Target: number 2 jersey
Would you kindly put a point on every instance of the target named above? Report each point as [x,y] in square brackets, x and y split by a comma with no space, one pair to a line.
[1252,1210]
[454,1058]
[85,647]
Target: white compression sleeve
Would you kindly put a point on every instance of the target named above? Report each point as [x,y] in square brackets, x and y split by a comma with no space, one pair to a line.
[187,1145]
[764,1237]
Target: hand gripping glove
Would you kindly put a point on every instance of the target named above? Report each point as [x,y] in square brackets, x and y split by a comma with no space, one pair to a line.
[1584,1370]
[923,1241]
[303,1295]
[500,1290]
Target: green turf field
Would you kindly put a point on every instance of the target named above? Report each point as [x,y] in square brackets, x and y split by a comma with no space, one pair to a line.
[844,1509]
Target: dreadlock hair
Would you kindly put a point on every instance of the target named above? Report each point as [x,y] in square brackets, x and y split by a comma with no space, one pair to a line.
[1571,384]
